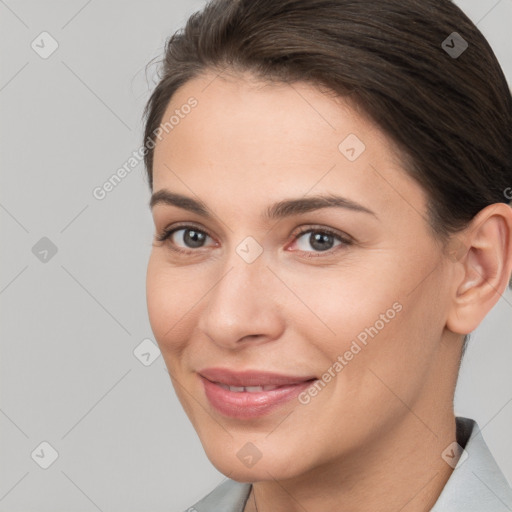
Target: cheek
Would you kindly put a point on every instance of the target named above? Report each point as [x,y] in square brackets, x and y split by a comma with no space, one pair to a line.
[397,341]
[167,304]
[345,305]
[156,297]
[372,323]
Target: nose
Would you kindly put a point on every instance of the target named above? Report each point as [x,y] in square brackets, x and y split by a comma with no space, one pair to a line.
[243,305]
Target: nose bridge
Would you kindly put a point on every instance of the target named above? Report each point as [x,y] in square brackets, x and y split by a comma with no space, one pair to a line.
[239,304]
[243,271]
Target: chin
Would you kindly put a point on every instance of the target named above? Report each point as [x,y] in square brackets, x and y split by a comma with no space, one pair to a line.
[237,465]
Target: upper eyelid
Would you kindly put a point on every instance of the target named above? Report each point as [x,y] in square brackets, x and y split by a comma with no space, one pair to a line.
[335,232]
[301,229]
[172,229]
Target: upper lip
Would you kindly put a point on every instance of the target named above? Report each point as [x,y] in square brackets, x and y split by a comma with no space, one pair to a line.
[251,377]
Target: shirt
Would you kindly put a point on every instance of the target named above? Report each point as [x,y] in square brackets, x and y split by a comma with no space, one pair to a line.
[475,485]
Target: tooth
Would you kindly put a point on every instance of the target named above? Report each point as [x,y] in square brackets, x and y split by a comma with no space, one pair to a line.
[249,389]
[253,389]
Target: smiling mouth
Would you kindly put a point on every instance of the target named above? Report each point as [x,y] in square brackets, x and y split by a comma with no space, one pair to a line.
[250,394]
[256,389]
[251,380]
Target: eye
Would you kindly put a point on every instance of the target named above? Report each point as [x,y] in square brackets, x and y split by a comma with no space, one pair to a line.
[321,240]
[191,237]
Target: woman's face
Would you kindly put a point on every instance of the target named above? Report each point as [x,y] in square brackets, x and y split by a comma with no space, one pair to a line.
[353,295]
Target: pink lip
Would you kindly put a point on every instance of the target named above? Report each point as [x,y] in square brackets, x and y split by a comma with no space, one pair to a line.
[247,404]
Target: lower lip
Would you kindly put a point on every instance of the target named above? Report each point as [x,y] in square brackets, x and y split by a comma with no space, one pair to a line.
[248,405]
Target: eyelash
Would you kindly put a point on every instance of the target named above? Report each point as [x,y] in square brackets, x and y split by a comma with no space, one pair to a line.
[345,240]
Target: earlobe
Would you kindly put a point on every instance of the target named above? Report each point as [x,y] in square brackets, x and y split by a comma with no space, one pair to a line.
[484,261]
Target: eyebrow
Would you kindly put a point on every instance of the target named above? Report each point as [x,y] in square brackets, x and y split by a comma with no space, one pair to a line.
[279,210]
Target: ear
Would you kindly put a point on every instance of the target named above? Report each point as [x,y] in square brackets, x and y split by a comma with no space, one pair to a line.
[481,256]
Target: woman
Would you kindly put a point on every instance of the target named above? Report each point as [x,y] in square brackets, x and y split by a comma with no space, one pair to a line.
[331,195]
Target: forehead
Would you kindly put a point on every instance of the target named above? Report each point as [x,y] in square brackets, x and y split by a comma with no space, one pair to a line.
[274,140]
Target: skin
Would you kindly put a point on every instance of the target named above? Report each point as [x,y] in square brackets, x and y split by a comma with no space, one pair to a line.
[382,422]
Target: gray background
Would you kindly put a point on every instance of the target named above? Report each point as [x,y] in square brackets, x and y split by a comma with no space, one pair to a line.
[70,324]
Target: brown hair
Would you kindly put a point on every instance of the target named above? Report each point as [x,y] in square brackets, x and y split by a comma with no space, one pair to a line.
[449,115]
